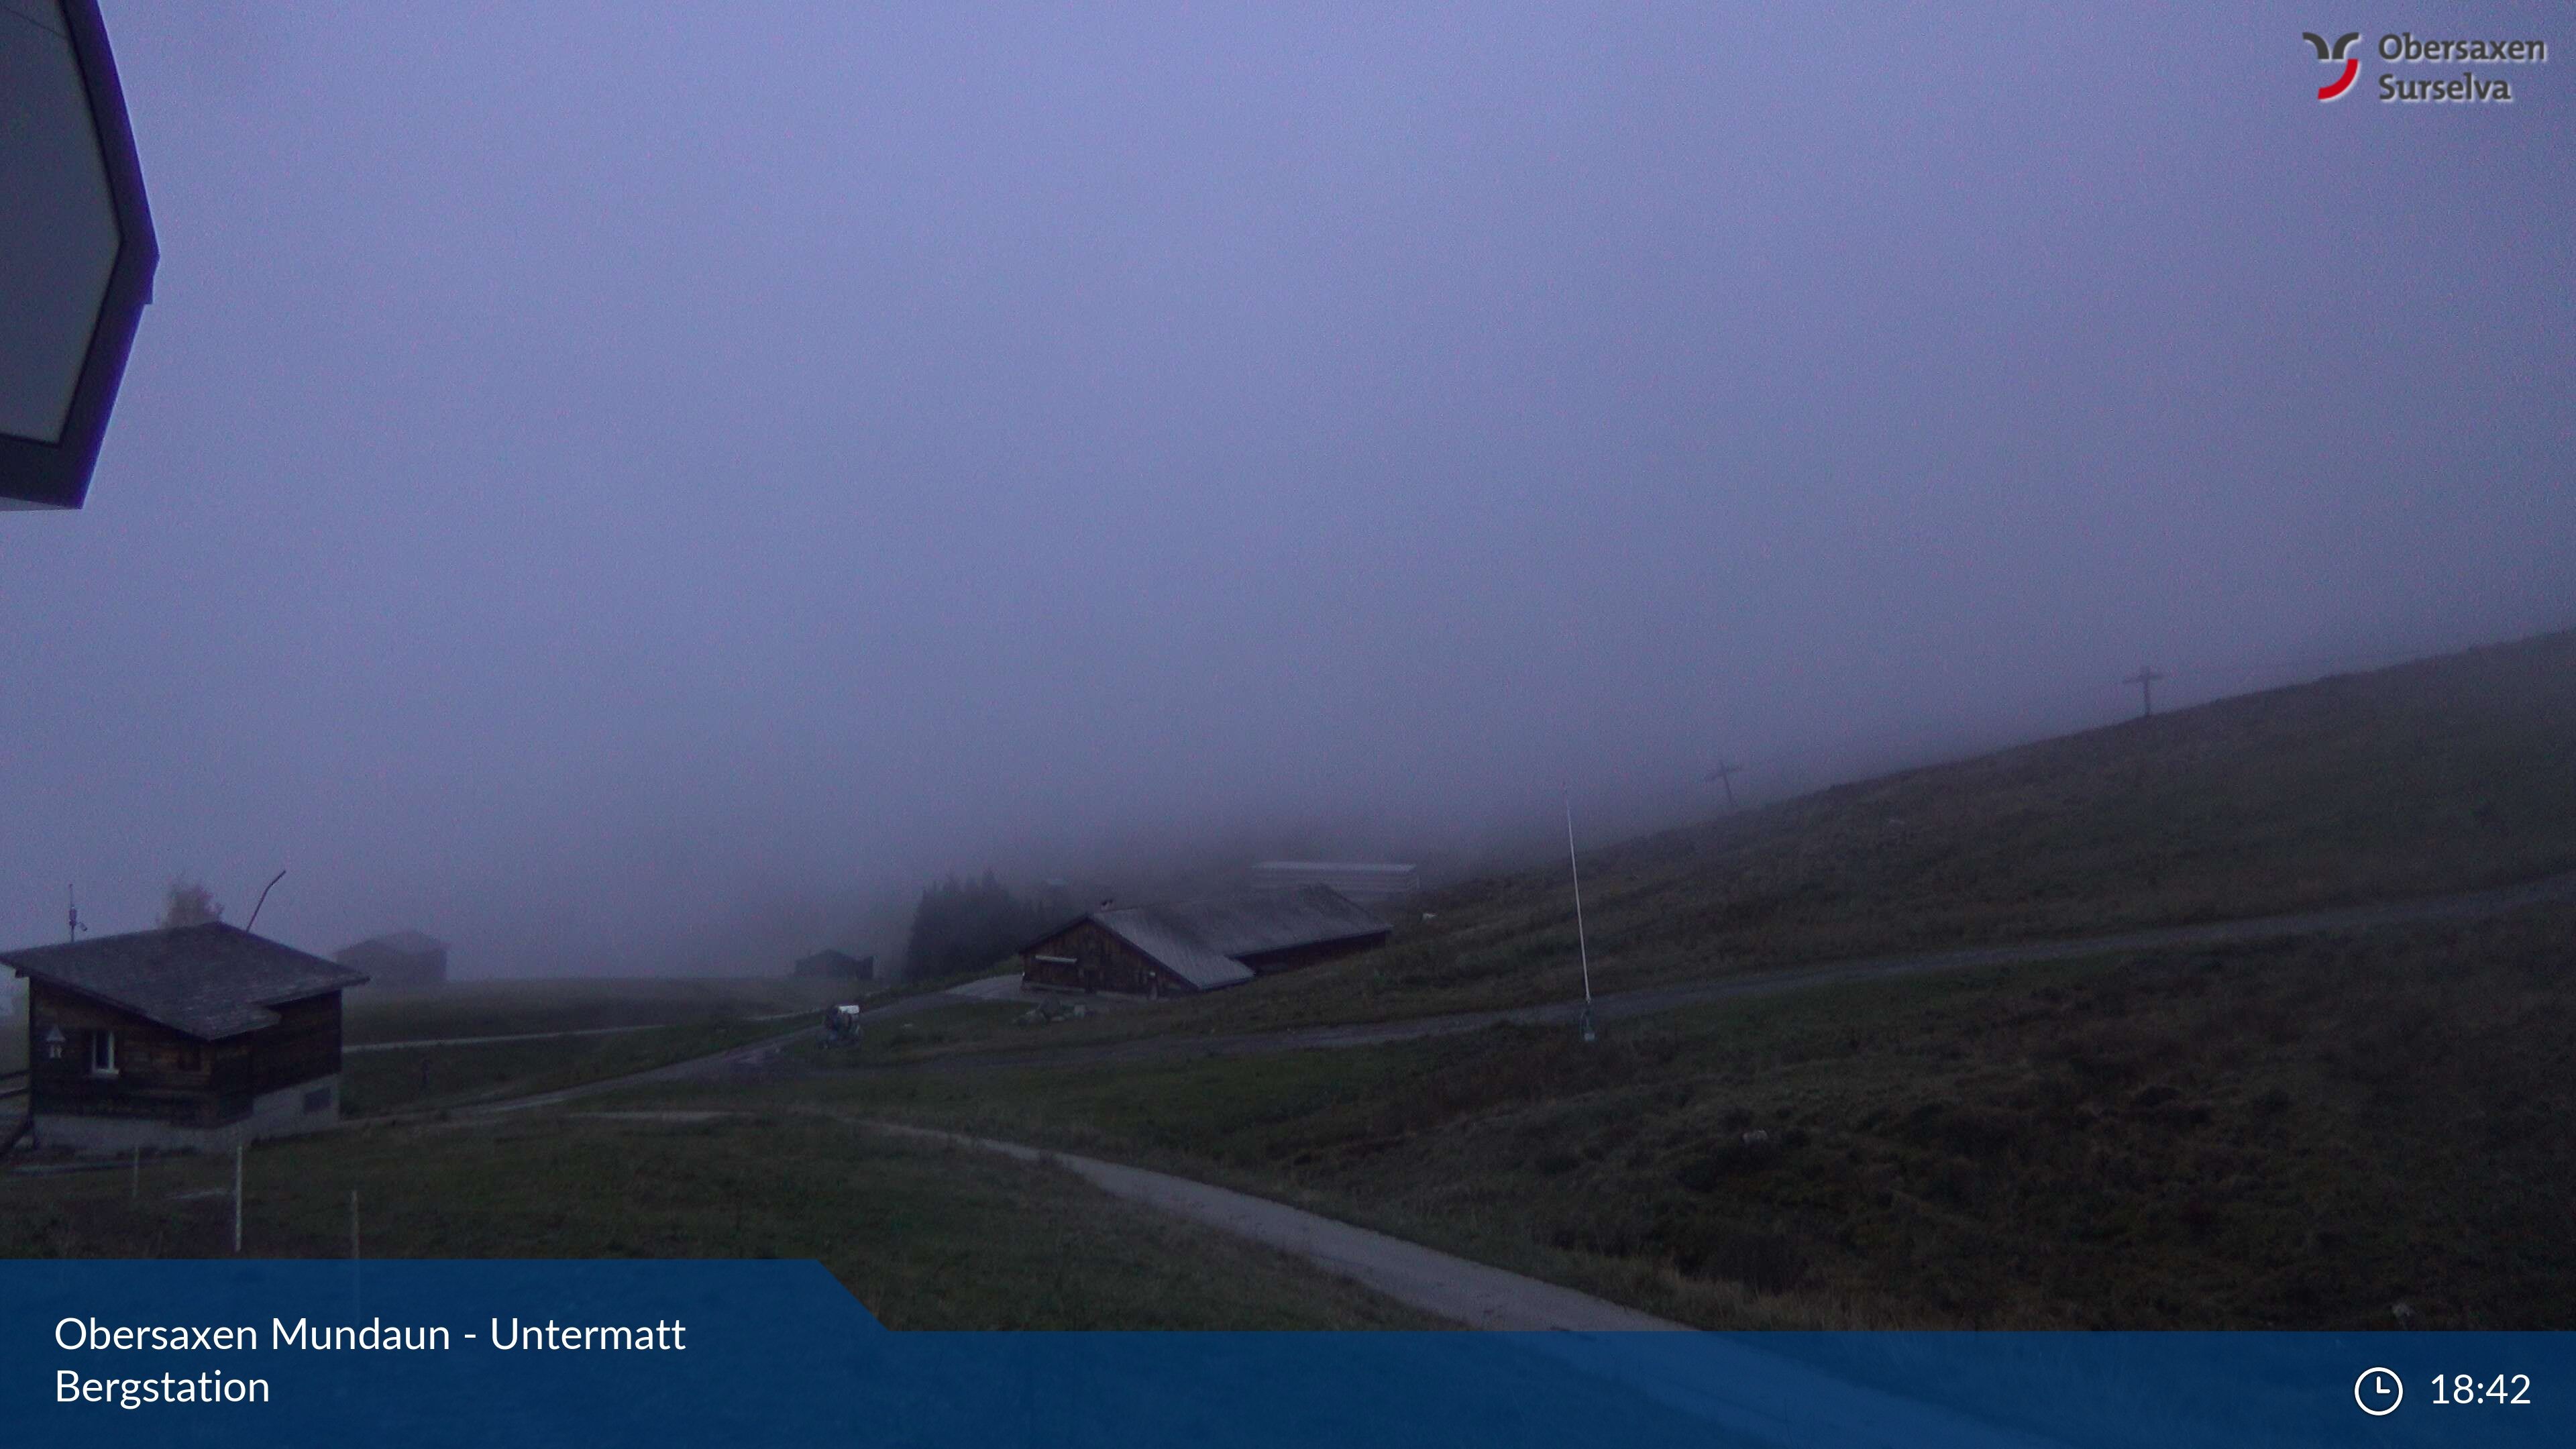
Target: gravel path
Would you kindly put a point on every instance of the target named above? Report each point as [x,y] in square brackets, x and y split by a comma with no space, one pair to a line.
[1435,1282]
[1733,1385]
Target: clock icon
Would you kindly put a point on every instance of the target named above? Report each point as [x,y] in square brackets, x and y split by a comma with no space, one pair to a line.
[2378,1391]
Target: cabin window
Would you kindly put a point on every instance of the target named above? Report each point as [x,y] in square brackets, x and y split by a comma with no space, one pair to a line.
[102,1054]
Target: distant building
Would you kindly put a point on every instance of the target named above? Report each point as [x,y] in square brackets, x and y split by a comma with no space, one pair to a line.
[402,961]
[1359,880]
[834,966]
[198,1037]
[1203,945]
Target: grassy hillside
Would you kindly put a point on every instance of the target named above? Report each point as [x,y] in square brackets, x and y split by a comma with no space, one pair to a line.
[413,1079]
[505,1008]
[640,1023]
[2296,1134]
[926,1236]
[2444,775]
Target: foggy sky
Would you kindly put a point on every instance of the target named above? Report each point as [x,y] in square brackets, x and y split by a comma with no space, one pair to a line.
[626,486]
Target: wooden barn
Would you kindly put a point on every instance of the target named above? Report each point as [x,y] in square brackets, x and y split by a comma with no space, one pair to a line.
[191,1038]
[399,961]
[834,966]
[1203,945]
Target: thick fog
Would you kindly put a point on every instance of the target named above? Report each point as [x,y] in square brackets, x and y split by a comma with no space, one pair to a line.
[638,488]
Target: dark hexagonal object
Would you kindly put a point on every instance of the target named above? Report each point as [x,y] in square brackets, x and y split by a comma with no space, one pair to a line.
[76,248]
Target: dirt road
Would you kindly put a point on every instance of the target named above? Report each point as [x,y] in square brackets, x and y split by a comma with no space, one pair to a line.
[1719,1378]
[1454,1288]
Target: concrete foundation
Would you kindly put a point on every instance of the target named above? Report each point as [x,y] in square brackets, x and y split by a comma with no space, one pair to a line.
[312,1106]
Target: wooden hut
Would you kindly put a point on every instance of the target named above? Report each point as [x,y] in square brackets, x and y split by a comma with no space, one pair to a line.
[196,1037]
[1202,945]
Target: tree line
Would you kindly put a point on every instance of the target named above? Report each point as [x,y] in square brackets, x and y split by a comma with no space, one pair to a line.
[965,925]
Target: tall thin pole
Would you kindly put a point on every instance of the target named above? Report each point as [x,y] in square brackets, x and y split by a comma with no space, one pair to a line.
[2145,679]
[356,1295]
[1582,947]
[237,1176]
[1726,772]
[263,899]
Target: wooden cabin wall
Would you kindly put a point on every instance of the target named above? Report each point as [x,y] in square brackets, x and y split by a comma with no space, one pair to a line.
[168,1075]
[160,1073]
[1101,962]
[303,1045]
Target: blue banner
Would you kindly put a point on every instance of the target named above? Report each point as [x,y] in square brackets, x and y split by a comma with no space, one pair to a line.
[505,1354]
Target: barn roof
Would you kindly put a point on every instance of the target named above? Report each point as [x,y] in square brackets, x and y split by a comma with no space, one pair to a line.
[1168,936]
[209,982]
[407,943]
[1253,923]
[1200,941]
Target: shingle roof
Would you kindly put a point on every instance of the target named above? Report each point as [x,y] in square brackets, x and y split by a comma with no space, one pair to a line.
[1200,940]
[210,982]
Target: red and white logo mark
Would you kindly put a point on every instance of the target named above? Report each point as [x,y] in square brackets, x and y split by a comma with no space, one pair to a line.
[2331,54]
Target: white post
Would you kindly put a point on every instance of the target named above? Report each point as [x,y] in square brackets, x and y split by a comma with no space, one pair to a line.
[1582,947]
[237,1179]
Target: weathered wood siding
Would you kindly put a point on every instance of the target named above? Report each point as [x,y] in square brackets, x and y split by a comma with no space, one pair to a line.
[168,1076]
[1099,962]
[303,1045]
[159,1073]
